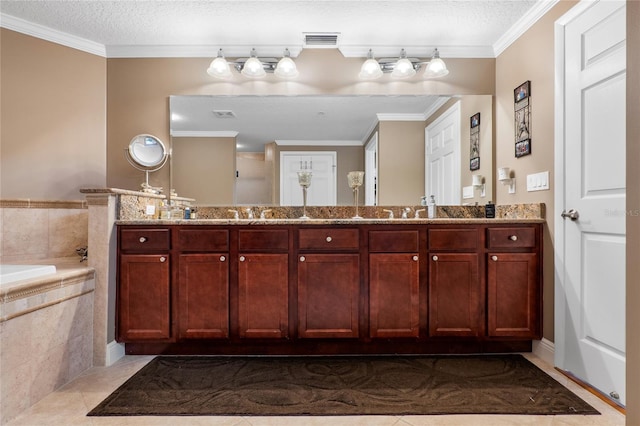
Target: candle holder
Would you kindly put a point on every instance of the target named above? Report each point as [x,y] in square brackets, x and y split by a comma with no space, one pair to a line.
[304,179]
[355,180]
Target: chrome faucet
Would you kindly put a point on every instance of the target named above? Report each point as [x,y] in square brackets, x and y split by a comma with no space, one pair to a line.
[388,211]
[405,212]
[235,214]
[263,212]
[249,214]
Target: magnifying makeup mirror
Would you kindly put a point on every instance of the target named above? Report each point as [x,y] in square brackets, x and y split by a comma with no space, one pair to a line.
[148,154]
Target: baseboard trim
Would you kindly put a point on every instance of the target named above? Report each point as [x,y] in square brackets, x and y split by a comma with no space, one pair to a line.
[115,351]
[544,349]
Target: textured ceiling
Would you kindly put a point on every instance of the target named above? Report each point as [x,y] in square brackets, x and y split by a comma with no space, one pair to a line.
[417,25]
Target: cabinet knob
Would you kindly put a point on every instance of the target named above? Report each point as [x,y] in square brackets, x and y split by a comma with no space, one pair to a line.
[415,258]
[329,239]
[143,239]
[222,258]
[494,258]
[302,259]
[163,259]
[242,258]
[435,258]
[513,237]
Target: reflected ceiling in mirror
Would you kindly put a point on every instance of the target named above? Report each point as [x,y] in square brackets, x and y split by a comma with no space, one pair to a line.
[325,120]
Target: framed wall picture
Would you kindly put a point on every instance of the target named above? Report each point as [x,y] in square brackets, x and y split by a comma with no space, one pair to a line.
[522,119]
[474,142]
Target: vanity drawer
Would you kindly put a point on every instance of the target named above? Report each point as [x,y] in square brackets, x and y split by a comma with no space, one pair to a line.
[203,240]
[505,238]
[453,239]
[393,241]
[142,240]
[263,239]
[329,239]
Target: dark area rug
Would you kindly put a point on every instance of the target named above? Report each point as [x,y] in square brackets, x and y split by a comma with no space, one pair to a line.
[372,385]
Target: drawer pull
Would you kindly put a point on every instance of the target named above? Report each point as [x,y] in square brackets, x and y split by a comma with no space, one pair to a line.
[329,239]
[222,258]
[163,259]
[435,258]
[242,259]
[143,239]
[494,258]
[415,258]
[302,259]
[513,237]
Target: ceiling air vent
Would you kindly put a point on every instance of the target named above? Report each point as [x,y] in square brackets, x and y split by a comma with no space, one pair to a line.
[220,113]
[321,40]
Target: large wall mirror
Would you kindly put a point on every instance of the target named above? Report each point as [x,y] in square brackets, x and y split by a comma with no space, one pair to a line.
[226,149]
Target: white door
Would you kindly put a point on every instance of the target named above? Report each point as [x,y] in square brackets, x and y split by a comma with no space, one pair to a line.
[590,292]
[322,165]
[442,162]
[371,171]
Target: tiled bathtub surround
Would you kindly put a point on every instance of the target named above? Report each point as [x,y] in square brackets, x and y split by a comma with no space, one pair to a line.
[46,334]
[34,230]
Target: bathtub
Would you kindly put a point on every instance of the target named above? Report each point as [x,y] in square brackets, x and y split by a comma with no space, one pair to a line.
[12,273]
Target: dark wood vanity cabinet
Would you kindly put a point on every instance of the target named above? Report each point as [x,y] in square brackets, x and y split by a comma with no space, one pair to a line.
[143,292]
[328,267]
[403,287]
[513,283]
[394,283]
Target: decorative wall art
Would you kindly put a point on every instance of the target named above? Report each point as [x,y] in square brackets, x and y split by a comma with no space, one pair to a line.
[474,162]
[522,101]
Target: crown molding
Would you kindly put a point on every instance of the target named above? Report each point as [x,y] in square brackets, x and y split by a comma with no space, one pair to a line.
[293,142]
[521,26]
[400,117]
[203,134]
[45,33]
[436,105]
[420,51]
[198,51]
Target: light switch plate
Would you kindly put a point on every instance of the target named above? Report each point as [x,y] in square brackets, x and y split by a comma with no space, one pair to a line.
[538,182]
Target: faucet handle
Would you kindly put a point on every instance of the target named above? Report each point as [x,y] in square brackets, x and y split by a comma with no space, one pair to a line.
[417,216]
[388,211]
[263,212]
[235,214]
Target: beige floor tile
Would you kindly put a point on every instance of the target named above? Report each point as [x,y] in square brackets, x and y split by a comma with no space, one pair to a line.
[324,421]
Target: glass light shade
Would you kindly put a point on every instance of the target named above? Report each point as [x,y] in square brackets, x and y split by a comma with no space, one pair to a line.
[436,68]
[403,69]
[253,68]
[219,68]
[370,70]
[286,68]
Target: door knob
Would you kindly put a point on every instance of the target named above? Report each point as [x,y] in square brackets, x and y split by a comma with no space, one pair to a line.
[571,214]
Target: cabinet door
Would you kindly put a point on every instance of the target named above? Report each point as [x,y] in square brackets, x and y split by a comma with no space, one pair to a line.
[513,295]
[454,294]
[203,296]
[143,297]
[394,295]
[263,286]
[328,293]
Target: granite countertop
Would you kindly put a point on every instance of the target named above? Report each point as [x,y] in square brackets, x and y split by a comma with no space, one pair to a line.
[347,221]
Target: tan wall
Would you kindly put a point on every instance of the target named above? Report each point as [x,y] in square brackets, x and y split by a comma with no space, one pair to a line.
[531,57]
[205,169]
[400,162]
[633,220]
[53,136]
[138,91]
[253,185]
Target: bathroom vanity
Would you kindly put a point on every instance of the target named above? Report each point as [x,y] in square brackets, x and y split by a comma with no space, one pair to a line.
[330,286]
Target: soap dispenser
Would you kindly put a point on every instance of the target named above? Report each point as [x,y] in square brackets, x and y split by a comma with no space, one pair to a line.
[431,207]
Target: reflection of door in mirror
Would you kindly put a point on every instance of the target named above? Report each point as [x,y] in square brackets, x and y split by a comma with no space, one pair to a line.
[442,174]
[252,186]
[322,165]
[371,171]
